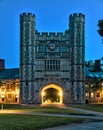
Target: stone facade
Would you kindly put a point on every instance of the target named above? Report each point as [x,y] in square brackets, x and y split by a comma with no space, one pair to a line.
[9,91]
[9,85]
[52,61]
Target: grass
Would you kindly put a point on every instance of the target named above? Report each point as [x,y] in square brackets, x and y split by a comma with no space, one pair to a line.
[51,109]
[55,110]
[31,122]
[43,109]
[94,107]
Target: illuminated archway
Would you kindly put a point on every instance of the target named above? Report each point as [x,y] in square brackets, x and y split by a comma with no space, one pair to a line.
[52,94]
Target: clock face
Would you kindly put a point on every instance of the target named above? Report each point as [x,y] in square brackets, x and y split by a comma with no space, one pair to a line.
[52,46]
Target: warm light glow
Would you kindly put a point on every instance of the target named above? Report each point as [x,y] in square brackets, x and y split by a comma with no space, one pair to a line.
[43,93]
[92,95]
[3,93]
[2,96]
[12,92]
[16,96]
[60,93]
[87,94]
[58,88]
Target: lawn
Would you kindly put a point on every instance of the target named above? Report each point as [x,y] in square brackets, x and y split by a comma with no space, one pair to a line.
[43,109]
[94,107]
[33,122]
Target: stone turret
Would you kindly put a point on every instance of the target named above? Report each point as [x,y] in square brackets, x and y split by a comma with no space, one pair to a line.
[77,49]
[27,56]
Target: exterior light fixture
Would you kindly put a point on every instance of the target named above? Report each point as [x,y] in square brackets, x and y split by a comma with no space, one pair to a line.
[43,93]
[60,93]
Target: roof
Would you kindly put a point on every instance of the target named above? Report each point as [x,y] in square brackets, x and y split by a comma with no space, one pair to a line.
[91,74]
[12,73]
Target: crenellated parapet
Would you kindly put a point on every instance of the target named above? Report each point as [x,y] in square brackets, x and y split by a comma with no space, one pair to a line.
[50,36]
[77,17]
[27,17]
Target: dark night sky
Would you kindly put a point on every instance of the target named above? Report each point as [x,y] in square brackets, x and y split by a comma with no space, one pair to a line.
[51,16]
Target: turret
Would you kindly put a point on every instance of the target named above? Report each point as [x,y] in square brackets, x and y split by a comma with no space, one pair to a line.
[77,49]
[27,56]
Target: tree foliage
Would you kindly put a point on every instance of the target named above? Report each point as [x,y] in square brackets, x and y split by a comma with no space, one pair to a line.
[100,25]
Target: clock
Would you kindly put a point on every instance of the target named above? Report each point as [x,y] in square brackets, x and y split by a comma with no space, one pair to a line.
[52,46]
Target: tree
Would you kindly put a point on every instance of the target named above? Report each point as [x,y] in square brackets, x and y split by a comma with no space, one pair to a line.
[100,25]
[100,30]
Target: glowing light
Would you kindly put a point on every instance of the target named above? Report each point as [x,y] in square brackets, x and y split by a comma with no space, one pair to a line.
[60,93]
[87,94]
[2,96]
[16,96]
[12,92]
[92,94]
[43,93]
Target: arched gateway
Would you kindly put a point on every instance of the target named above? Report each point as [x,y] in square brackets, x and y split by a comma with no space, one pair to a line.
[52,94]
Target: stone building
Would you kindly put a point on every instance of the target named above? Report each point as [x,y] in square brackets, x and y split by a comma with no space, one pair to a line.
[52,64]
[52,67]
[9,84]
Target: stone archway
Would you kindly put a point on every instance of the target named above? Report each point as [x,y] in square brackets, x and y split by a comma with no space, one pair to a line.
[52,94]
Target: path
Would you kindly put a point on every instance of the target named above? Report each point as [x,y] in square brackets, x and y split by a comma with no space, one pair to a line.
[83,126]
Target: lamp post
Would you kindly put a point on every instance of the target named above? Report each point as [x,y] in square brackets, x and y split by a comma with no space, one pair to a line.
[2,97]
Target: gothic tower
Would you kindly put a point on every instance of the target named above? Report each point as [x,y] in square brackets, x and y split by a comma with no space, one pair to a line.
[27,57]
[77,49]
[50,60]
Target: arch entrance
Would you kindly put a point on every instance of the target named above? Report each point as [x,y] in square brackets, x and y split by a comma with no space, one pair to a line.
[52,94]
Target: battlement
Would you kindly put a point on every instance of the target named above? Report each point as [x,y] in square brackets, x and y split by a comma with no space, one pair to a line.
[27,14]
[50,35]
[77,15]
[27,17]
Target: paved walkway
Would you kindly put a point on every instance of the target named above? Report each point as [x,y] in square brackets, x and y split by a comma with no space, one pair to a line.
[83,126]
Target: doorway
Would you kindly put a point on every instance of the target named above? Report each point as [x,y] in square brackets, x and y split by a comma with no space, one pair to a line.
[52,94]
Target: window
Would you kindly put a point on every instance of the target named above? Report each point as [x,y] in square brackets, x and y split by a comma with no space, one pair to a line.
[26,83]
[92,95]
[98,94]
[41,48]
[87,94]
[51,65]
